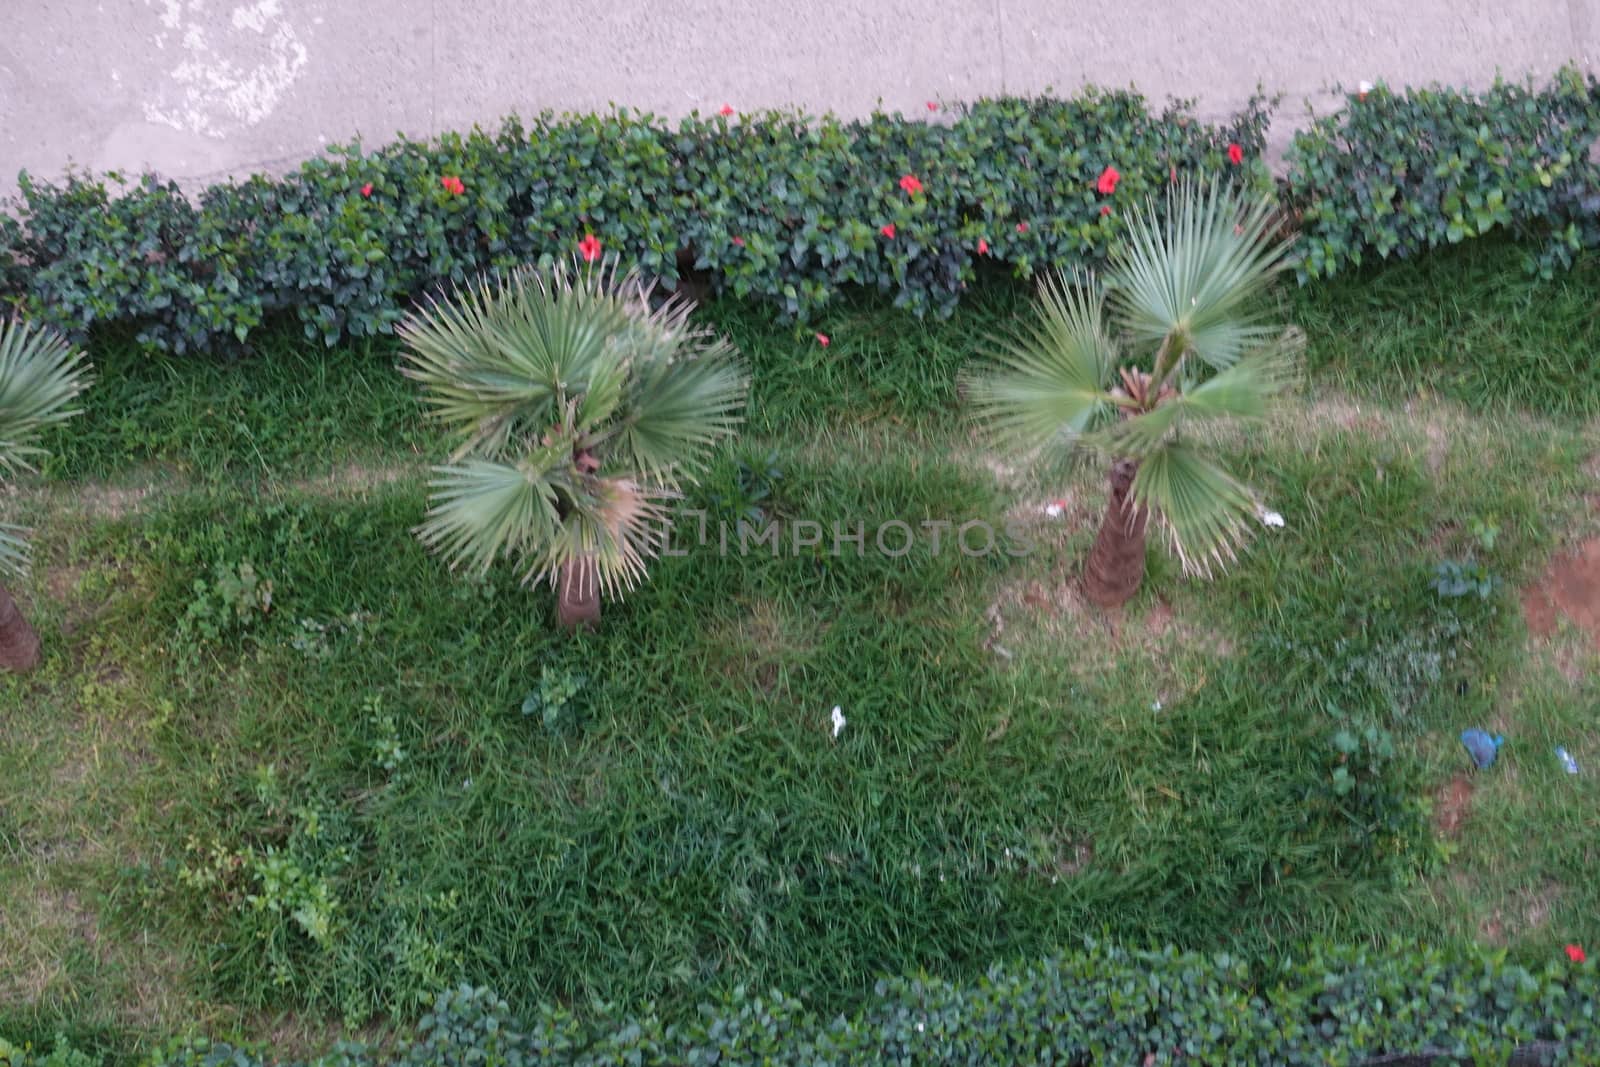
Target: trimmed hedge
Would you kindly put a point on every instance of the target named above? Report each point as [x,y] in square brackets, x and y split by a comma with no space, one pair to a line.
[779,206]
[785,207]
[1098,1005]
[1400,173]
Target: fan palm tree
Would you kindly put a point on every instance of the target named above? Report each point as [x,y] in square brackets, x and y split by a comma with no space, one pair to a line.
[578,411]
[40,375]
[1181,298]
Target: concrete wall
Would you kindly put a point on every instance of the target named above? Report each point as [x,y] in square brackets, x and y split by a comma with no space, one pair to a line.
[198,89]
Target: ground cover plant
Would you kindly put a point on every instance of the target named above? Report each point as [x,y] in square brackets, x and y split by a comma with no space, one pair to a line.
[281,773]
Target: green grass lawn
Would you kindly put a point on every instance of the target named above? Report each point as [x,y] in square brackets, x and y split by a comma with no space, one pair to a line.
[284,817]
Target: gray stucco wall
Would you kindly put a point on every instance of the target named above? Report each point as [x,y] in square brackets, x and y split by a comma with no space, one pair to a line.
[198,89]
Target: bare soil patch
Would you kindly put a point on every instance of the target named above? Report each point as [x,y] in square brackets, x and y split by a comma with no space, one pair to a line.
[1452,804]
[1569,590]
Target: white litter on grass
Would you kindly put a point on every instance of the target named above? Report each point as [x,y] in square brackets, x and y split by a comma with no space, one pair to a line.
[1156,706]
[1055,508]
[838,720]
[1270,518]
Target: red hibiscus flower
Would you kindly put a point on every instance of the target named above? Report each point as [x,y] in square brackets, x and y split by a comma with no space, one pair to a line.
[1022,227]
[452,185]
[1575,954]
[911,184]
[727,109]
[739,241]
[589,248]
[933,105]
[822,339]
[1107,184]
[1105,209]
[887,230]
[983,247]
[366,190]
[1235,154]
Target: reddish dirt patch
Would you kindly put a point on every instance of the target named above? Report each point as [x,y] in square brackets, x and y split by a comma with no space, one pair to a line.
[1570,589]
[1452,805]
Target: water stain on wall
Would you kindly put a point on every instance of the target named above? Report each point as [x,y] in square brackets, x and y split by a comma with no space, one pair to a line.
[234,63]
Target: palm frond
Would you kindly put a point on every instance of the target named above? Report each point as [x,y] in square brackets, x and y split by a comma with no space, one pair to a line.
[40,375]
[1189,277]
[614,527]
[1138,435]
[1050,384]
[504,358]
[1244,389]
[687,392]
[13,550]
[679,412]
[1205,511]
[483,509]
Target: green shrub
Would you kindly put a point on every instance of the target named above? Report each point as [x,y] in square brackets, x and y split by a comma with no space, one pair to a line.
[1399,173]
[782,206]
[779,206]
[1096,1005]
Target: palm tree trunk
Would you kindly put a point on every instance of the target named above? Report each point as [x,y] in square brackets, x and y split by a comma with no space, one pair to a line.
[19,645]
[577,594]
[1116,562]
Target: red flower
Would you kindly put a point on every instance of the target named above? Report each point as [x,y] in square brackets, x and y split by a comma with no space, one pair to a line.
[1022,227]
[727,109]
[1108,181]
[589,248]
[822,339]
[1105,209]
[911,184]
[452,185]
[366,190]
[1235,154]
[1575,954]
[933,105]
[983,247]
[739,241]
[887,230]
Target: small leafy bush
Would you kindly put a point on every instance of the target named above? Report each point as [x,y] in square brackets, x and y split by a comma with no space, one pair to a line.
[745,488]
[1398,173]
[1452,578]
[1096,1005]
[234,600]
[778,206]
[554,699]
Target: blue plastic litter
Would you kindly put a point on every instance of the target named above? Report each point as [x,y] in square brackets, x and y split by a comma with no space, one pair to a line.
[1568,764]
[1481,747]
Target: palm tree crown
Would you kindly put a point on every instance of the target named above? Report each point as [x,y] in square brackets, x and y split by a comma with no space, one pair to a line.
[1181,298]
[577,411]
[40,375]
